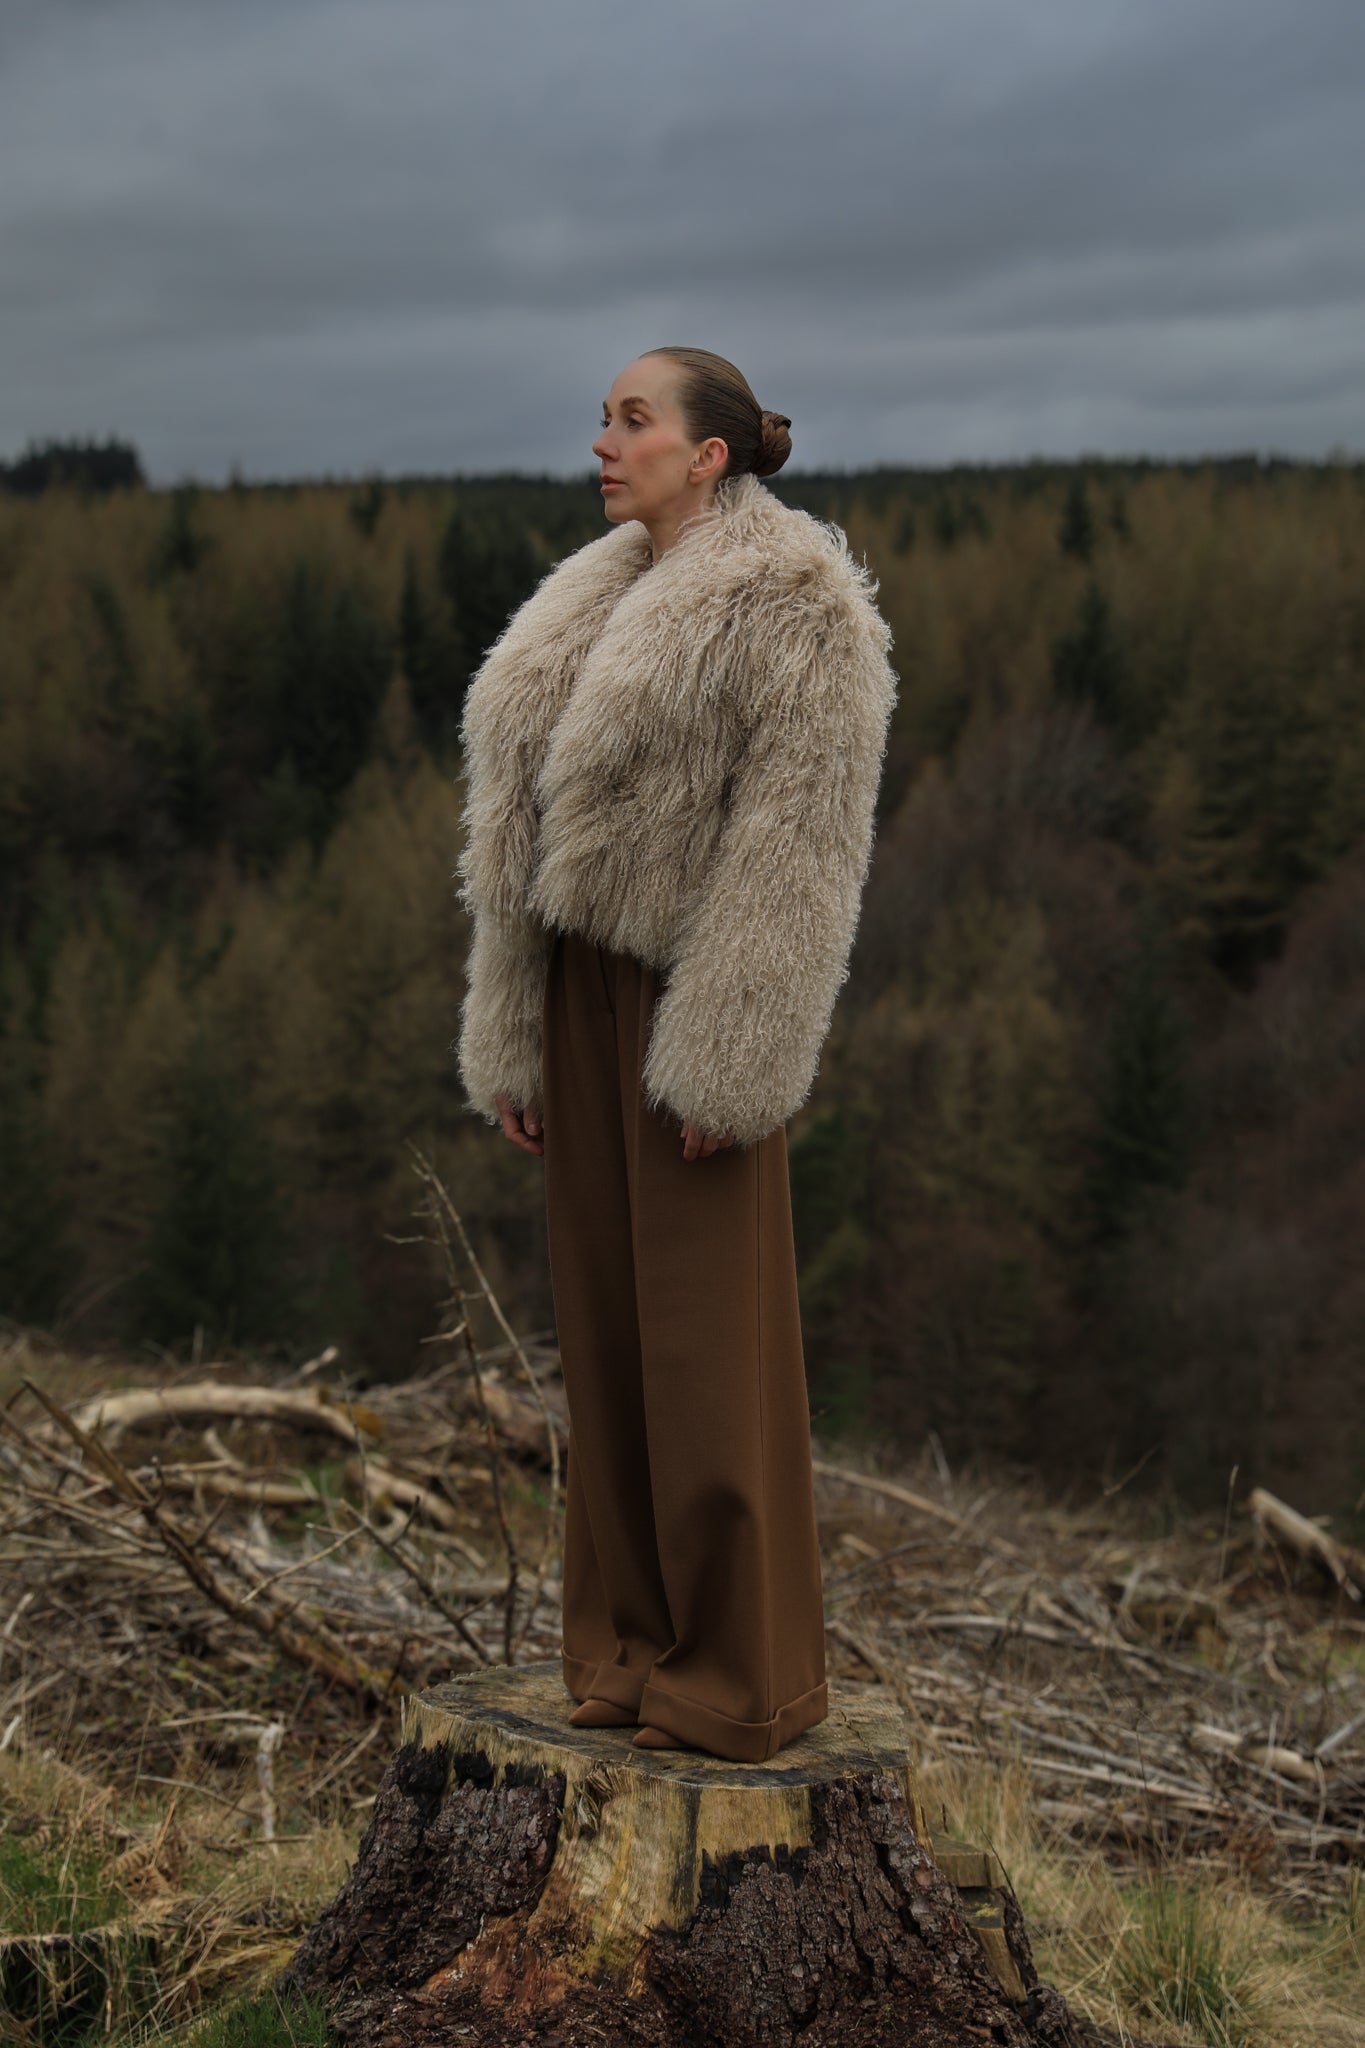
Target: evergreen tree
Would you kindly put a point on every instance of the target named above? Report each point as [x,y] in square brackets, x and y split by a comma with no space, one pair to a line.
[835,1249]
[118,665]
[332,654]
[181,547]
[828,1175]
[216,1251]
[1266,767]
[433,661]
[1088,664]
[946,519]
[974,516]
[284,811]
[34,1258]
[186,757]
[367,506]
[1076,533]
[488,567]
[1144,1138]
[92,467]
[40,920]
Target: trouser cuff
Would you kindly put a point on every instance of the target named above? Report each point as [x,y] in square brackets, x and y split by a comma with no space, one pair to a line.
[745,1742]
[586,1680]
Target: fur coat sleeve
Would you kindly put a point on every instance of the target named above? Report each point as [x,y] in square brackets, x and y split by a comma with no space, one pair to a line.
[680,762]
[737,1032]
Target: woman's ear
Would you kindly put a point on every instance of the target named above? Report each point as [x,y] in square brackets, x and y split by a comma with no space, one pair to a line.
[712,459]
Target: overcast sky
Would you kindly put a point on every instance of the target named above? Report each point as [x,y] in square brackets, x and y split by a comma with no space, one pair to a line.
[309,237]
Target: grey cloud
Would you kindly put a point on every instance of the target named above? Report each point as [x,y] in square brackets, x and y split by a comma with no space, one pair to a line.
[322,235]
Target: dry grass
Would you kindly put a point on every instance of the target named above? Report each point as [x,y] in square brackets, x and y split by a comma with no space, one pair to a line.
[157,1918]
[1165,1948]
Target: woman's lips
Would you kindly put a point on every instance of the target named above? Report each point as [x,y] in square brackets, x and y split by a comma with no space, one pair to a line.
[612,483]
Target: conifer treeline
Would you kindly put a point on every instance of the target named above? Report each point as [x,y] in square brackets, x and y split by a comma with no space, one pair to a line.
[1082,1180]
[89,466]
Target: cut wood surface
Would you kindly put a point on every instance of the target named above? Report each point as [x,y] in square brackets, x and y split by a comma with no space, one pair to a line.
[525,1879]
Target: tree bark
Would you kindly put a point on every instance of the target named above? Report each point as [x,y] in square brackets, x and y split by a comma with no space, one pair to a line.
[522,1880]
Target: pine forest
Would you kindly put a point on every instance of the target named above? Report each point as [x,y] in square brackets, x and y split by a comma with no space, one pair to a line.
[1081,1184]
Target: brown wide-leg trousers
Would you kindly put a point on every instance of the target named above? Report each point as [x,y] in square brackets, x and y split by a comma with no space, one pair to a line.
[691,1565]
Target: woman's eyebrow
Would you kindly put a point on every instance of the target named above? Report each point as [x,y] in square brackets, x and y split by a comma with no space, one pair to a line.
[627,401]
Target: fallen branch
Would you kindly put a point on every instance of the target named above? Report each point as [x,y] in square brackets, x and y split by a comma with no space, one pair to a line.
[312,1407]
[235,1485]
[1273,1757]
[310,1648]
[427,1590]
[388,1487]
[1278,1519]
[920,1502]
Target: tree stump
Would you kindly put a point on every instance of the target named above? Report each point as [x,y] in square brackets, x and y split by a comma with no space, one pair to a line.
[522,1880]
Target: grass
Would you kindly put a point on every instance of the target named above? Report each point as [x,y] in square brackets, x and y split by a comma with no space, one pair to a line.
[64,1891]
[1178,1954]
[263,2020]
[72,1947]
[164,1937]
[71,1951]
[1188,1962]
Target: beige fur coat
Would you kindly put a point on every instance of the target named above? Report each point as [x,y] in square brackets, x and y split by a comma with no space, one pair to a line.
[680,762]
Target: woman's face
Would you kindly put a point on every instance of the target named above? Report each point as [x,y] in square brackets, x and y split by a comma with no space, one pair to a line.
[659,476]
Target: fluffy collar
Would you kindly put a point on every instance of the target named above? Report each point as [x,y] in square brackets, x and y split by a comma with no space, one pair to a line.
[745,523]
[741,511]
[745,540]
[746,573]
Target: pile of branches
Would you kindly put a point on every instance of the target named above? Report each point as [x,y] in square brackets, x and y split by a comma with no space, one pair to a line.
[175,1557]
[1201,1693]
[188,1520]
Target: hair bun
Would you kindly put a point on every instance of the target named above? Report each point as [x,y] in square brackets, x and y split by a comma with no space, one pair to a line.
[775,443]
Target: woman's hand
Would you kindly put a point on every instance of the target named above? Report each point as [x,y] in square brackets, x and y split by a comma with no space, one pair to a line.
[700,1144]
[523,1126]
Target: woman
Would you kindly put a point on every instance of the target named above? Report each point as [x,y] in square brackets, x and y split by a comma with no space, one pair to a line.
[671,757]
